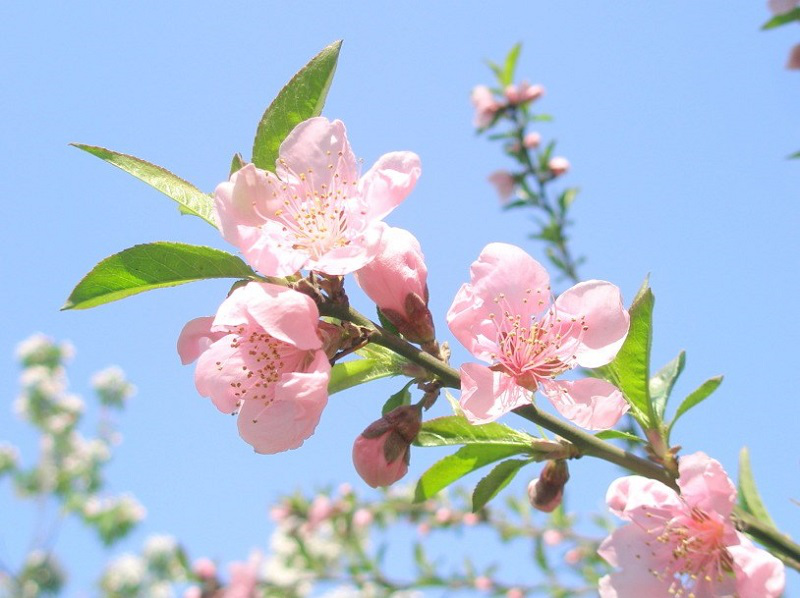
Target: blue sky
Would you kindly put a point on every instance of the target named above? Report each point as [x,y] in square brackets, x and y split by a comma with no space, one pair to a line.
[676,119]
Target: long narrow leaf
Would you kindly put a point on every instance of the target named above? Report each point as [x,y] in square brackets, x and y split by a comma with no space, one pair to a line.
[696,397]
[153,266]
[302,98]
[493,483]
[748,493]
[190,199]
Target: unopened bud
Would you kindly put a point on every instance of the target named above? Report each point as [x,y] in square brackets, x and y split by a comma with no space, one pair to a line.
[396,280]
[558,165]
[381,453]
[532,140]
[523,93]
[794,59]
[546,491]
[486,106]
[504,184]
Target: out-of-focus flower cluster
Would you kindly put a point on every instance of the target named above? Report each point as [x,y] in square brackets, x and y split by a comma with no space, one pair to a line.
[335,544]
[69,469]
[505,113]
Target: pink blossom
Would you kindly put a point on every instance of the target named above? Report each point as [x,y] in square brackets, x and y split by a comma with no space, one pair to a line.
[532,140]
[558,165]
[362,518]
[314,212]
[794,58]
[244,577]
[321,509]
[504,316]
[381,452]
[483,583]
[523,93]
[515,593]
[573,556]
[779,7]
[204,568]
[443,515]
[486,106]
[470,519]
[684,544]
[396,280]
[279,513]
[261,356]
[504,183]
[552,537]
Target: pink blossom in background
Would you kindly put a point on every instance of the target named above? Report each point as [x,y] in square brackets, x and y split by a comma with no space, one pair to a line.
[363,518]
[261,356]
[779,7]
[397,281]
[532,140]
[244,577]
[523,93]
[504,184]
[558,165]
[483,583]
[315,212]
[504,316]
[684,544]
[486,106]
[204,568]
[794,58]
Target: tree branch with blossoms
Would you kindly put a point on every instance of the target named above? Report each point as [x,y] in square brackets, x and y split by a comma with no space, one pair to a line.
[273,352]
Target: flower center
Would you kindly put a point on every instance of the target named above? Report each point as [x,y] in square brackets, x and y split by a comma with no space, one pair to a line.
[698,557]
[264,359]
[532,348]
[313,214]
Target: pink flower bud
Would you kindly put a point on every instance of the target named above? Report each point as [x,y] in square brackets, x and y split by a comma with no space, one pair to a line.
[470,519]
[504,184]
[794,59]
[381,453]
[204,568]
[321,508]
[279,513]
[523,93]
[362,518]
[483,583]
[443,515]
[532,140]
[552,537]
[423,529]
[573,556]
[193,592]
[545,492]
[515,593]
[396,280]
[558,165]
[486,106]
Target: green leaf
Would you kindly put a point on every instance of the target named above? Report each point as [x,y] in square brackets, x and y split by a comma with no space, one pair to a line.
[465,460]
[782,19]
[698,396]
[510,65]
[749,497]
[237,163]
[630,370]
[453,429]
[385,323]
[153,266]
[347,374]
[619,435]
[302,98]
[190,199]
[794,156]
[566,199]
[493,483]
[661,384]
[400,398]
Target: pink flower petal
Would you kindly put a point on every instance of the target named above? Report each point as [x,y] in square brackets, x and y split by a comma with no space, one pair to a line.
[283,313]
[487,395]
[632,497]
[292,415]
[388,182]
[607,320]
[195,338]
[218,372]
[758,573]
[705,484]
[311,147]
[503,278]
[589,403]
[358,253]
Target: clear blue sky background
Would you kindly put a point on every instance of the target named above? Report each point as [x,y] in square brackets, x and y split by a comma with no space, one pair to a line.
[675,116]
